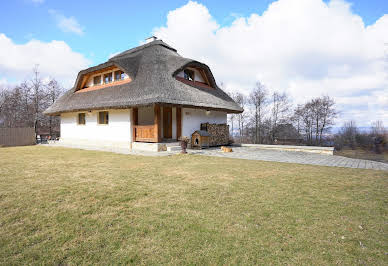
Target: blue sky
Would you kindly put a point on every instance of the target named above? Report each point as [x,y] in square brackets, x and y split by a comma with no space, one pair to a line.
[307,48]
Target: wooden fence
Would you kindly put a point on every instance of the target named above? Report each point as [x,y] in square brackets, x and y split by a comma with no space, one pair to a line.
[17,136]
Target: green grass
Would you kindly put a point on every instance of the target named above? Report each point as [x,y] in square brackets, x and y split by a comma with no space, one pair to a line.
[68,206]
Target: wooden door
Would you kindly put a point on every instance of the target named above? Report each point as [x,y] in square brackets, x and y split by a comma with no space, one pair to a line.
[167,122]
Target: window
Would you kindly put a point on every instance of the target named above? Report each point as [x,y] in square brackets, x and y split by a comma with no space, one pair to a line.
[103,118]
[81,119]
[97,80]
[119,75]
[189,74]
[107,78]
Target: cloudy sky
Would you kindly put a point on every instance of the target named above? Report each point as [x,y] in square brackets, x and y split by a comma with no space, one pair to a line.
[306,48]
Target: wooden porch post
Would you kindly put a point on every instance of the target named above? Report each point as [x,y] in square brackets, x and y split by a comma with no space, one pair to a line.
[178,123]
[135,119]
[157,121]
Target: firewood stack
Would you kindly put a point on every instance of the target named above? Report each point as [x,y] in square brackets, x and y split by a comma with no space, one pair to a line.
[219,133]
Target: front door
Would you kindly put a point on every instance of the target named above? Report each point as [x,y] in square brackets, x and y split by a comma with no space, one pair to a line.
[167,122]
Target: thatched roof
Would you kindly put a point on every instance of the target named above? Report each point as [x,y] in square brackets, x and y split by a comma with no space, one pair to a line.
[152,68]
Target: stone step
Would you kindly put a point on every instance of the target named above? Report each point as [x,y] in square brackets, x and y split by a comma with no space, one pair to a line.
[174,148]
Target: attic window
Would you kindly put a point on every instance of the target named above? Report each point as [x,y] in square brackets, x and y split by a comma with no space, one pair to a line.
[97,80]
[119,75]
[189,74]
[108,78]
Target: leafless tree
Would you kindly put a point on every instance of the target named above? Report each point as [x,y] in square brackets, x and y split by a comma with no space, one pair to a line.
[241,100]
[327,113]
[258,98]
[280,111]
[348,134]
[53,91]
[315,118]
[23,105]
[378,128]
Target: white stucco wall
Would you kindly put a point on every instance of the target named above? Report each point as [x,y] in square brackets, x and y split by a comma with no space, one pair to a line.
[118,129]
[192,119]
[118,133]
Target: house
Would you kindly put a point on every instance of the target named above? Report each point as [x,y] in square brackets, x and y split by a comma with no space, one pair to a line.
[140,99]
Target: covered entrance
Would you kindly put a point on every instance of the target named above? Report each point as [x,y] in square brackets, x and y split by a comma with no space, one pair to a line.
[156,123]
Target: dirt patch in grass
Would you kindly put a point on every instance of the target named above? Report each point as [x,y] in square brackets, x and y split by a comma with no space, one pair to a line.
[68,206]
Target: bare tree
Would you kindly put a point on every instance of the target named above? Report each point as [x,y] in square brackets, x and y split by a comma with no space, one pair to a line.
[348,134]
[280,111]
[315,118]
[241,101]
[53,91]
[37,96]
[23,105]
[378,128]
[231,117]
[327,113]
[258,98]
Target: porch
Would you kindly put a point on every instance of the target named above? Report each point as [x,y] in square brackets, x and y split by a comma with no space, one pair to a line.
[156,123]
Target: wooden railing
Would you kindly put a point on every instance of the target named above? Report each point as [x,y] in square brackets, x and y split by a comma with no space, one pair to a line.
[145,133]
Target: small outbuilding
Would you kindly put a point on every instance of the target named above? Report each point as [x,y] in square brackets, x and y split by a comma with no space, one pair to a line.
[200,139]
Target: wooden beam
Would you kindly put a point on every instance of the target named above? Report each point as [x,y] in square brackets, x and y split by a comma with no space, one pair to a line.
[135,119]
[112,84]
[157,121]
[178,122]
[205,76]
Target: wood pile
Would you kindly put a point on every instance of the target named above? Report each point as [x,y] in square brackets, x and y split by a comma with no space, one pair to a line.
[219,133]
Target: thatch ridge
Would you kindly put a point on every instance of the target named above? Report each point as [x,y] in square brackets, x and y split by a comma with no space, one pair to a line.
[152,68]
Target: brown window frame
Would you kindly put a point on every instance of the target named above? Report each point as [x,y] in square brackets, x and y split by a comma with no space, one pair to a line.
[79,120]
[121,73]
[94,80]
[107,75]
[105,118]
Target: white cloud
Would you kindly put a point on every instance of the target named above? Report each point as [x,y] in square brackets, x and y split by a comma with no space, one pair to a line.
[305,47]
[55,59]
[67,24]
[113,54]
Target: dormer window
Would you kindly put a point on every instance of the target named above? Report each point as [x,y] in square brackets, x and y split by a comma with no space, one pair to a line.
[119,75]
[189,74]
[194,76]
[108,78]
[103,78]
[97,80]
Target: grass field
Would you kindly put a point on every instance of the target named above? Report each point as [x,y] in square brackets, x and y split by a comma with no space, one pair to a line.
[67,206]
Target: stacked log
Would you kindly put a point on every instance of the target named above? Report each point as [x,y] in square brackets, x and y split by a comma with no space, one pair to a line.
[219,134]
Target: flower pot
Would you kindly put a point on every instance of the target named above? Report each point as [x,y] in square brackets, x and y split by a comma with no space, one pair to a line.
[183,146]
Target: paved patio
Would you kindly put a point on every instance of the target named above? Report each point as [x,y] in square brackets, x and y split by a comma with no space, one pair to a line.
[292,157]
[251,153]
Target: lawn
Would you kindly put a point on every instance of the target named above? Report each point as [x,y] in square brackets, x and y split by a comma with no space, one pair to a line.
[68,206]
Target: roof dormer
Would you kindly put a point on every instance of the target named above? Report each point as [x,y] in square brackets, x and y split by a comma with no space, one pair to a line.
[195,76]
[102,78]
